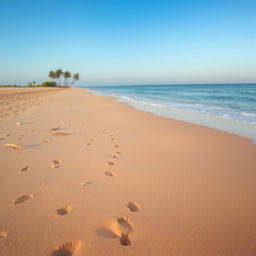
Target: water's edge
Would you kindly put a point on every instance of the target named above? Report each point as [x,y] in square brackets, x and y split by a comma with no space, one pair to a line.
[230,126]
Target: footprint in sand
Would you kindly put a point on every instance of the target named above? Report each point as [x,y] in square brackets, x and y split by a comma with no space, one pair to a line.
[26,168]
[134,206]
[60,133]
[1,138]
[67,249]
[110,174]
[126,227]
[22,199]
[125,224]
[111,163]
[64,210]
[125,239]
[88,143]
[12,146]
[3,234]
[122,227]
[116,146]
[56,163]
[85,184]
[55,128]
[114,155]
[20,137]
[45,141]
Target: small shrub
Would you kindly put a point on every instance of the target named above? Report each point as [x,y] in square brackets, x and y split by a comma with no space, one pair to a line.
[49,84]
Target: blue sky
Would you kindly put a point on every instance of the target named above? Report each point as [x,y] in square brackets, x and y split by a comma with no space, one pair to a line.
[112,42]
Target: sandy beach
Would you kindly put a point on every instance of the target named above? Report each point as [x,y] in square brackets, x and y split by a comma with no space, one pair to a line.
[85,175]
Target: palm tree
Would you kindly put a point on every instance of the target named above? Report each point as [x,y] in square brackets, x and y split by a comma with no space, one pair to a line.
[66,76]
[58,74]
[76,77]
[52,75]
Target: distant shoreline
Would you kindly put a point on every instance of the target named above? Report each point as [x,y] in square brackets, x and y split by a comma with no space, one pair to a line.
[146,102]
[88,86]
[92,86]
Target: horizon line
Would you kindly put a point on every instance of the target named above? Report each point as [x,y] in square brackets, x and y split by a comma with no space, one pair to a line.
[168,84]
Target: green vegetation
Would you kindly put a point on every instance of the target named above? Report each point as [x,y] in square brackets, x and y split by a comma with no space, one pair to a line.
[61,79]
[48,84]
[59,74]
[9,85]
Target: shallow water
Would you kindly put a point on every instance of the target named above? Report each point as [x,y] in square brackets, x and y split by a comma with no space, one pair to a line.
[227,107]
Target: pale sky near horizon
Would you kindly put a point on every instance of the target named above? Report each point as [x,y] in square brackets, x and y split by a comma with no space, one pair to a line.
[129,42]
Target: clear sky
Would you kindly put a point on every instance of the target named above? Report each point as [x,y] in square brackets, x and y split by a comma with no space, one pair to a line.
[112,42]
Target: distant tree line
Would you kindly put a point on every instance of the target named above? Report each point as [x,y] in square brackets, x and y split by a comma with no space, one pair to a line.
[60,79]
[10,85]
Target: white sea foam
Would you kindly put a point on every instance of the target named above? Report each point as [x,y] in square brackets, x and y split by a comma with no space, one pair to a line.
[209,110]
[200,108]
[220,112]
[248,114]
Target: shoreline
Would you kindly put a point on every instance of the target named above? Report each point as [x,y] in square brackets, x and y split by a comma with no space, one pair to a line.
[233,127]
[194,186]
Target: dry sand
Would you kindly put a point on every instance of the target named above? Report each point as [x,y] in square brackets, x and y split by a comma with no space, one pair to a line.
[95,177]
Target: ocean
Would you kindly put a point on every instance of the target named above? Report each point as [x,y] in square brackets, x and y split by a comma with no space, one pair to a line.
[227,107]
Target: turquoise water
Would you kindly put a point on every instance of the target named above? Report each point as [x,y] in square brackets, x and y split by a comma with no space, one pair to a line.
[231,103]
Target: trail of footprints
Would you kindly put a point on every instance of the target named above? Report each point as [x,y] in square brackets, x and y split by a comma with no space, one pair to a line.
[124,227]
